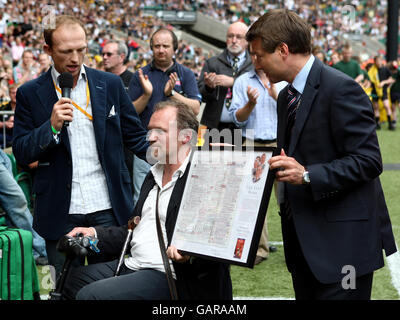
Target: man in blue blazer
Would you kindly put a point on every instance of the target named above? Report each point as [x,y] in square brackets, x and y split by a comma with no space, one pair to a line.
[81,176]
[335,222]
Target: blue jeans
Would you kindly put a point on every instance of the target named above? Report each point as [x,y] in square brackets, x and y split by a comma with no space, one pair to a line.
[13,201]
[140,170]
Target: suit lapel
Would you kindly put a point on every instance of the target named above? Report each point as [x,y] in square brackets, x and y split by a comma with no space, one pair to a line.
[47,94]
[307,98]
[48,97]
[98,98]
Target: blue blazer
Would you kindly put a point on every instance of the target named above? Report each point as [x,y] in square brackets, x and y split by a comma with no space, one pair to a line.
[341,218]
[33,140]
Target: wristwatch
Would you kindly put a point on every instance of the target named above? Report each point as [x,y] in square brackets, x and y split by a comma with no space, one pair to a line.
[306,177]
[171,94]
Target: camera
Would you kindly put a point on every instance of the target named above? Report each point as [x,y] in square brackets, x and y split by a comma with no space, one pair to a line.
[76,246]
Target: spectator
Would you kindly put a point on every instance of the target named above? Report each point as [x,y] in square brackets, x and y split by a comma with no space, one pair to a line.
[218,76]
[26,69]
[350,66]
[44,63]
[253,110]
[13,201]
[381,78]
[394,90]
[114,55]
[3,27]
[17,50]
[163,78]
[8,120]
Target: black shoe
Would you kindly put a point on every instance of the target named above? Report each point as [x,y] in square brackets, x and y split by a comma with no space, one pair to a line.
[272,249]
[392,125]
[378,126]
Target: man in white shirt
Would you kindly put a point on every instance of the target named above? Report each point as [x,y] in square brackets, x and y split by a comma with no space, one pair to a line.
[172,134]
[81,179]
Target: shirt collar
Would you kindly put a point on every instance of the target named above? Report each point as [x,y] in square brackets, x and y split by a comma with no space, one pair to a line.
[300,81]
[169,70]
[55,74]
[158,169]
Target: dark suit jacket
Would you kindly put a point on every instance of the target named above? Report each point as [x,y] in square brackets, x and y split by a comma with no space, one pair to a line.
[198,279]
[214,98]
[33,140]
[341,218]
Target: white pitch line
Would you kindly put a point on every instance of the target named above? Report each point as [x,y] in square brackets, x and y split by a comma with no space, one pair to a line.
[276,243]
[393,262]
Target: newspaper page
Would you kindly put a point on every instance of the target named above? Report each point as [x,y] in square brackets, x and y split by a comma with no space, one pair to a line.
[220,204]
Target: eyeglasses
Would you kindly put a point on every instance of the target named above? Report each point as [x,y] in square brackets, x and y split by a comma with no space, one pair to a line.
[108,54]
[238,36]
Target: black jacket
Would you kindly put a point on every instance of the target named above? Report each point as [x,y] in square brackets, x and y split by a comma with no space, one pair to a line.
[341,218]
[214,98]
[198,279]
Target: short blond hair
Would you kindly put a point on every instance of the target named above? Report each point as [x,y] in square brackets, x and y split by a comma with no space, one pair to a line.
[61,20]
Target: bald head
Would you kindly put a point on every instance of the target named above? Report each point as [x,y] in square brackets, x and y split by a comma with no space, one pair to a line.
[236,38]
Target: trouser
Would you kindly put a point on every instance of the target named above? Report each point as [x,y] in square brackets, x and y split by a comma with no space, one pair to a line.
[305,284]
[13,201]
[104,218]
[97,282]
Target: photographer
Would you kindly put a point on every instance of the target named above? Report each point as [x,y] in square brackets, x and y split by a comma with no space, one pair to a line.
[172,133]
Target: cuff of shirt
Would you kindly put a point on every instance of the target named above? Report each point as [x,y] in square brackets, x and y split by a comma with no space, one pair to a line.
[236,121]
[95,232]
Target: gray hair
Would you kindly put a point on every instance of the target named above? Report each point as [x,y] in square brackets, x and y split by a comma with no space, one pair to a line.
[122,47]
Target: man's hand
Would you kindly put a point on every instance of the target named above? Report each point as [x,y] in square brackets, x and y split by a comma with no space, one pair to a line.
[174,255]
[289,170]
[209,79]
[62,111]
[145,83]
[253,95]
[224,81]
[87,232]
[10,123]
[170,85]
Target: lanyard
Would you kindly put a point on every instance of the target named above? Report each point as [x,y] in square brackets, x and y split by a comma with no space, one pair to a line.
[75,105]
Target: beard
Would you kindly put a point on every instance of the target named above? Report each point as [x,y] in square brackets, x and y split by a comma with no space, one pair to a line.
[235,49]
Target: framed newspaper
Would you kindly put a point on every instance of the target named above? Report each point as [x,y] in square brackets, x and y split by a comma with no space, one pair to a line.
[224,204]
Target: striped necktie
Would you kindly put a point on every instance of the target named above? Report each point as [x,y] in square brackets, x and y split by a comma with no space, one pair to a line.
[293,101]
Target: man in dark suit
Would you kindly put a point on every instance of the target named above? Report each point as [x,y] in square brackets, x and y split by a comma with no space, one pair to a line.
[335,222]
[172,133]
[81,177]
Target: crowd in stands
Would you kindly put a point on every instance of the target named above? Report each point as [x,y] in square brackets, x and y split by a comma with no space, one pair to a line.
[21,25]
[22,57]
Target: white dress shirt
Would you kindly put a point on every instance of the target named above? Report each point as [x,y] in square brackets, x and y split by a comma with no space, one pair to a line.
[89,191]
[145,251]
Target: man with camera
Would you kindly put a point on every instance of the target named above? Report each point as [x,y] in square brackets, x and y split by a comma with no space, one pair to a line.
[172,134]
